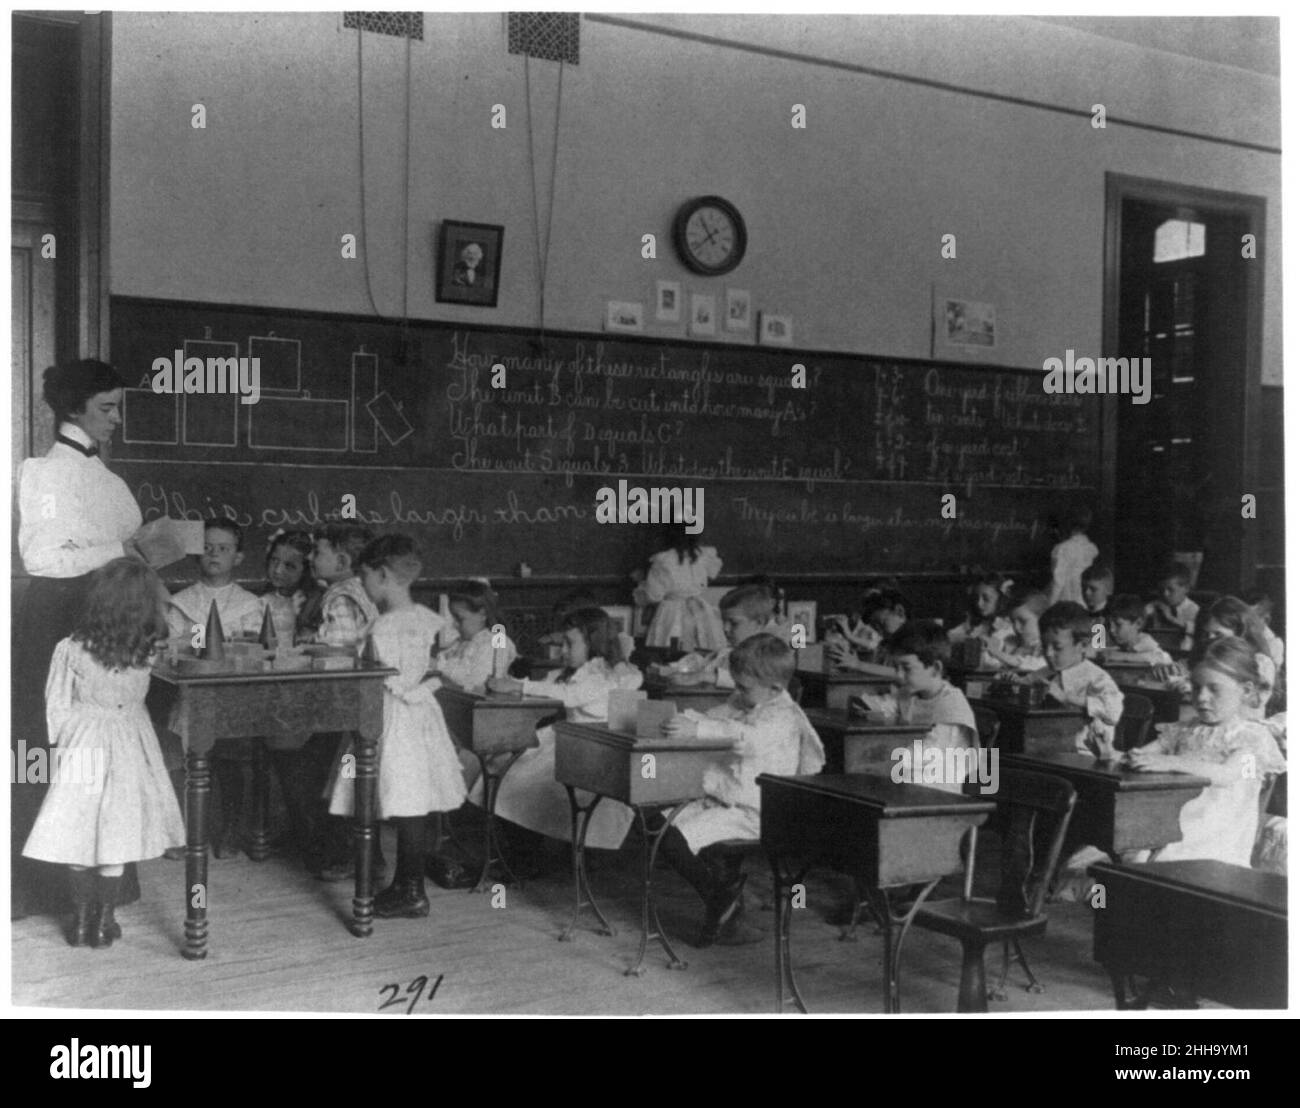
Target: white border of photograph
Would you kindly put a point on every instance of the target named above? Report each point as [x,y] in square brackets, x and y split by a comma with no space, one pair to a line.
[704,314]
[740,315]
[775,330]
[627,316]
[664,314]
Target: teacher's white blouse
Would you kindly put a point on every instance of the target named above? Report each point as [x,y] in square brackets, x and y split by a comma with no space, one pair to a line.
[74,512]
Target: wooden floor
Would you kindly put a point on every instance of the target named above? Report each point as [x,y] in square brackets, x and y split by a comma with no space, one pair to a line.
[278,943]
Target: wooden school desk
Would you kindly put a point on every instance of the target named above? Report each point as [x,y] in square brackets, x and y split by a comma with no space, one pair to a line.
[1048,729]
[1118,809]
[648,775]
[886,835]
[699,697]
[1169,703]
[496,729]
[832,690]
[290,706]
[1214,930]
[856,745]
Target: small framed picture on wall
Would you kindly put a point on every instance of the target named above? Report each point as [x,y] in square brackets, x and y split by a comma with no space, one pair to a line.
[668,301]
[739,317]
[469,263]
[775,330]
[704,310]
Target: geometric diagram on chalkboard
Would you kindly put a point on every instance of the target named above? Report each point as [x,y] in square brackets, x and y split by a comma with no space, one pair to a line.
[298,423]
[150,418]
[280,365]
[365,388]
[388,415]
[210,419]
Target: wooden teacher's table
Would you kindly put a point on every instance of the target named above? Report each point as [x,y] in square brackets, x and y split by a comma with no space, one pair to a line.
[290,707]
[1118,809]
[648,775]
[887,836]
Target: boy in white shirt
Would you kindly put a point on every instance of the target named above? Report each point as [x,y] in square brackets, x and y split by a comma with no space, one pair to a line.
[1072,679]
[240,611]
[747,611]
[1174,611]
[1130,644]
[770,734]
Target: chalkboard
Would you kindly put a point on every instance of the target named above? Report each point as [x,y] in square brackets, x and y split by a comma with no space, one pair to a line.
[844,475]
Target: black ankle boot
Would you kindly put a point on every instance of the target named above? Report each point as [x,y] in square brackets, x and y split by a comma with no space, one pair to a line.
[403,899]
[78,926]
[106,929]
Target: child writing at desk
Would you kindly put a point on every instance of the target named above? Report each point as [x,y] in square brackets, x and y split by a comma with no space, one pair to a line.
[419,772]
[471,659]
[770,734]
[111,801]
[1175,611]
[1129,643]
[529,796]
[1071,679]
[1224,744]
[746,611]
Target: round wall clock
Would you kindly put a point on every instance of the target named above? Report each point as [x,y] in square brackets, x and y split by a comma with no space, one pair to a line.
[709,235]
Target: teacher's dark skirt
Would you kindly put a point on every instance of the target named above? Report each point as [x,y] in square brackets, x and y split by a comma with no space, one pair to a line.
[49,612]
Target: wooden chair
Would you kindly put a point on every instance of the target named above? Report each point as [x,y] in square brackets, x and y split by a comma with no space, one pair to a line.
[1032,808]
[987,724]
[1134,728]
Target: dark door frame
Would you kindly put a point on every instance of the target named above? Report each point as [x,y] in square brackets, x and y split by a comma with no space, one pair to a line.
[1121,187]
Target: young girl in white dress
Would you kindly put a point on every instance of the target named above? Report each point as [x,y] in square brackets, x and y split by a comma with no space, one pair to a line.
[530,796]
[985,621]
[471,659]
[675,581]
[1224,744]
[418,769]
[110,799]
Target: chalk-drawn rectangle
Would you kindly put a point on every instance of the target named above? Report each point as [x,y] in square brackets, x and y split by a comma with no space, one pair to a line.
[210,420]
[150,417]
[295,423]
[280,366]
[388,415]
[365,387]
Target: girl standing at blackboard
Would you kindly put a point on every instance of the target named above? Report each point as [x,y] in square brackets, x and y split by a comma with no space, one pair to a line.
[675,582]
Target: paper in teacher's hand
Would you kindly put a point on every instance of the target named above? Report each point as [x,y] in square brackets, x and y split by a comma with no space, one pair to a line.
[164,541]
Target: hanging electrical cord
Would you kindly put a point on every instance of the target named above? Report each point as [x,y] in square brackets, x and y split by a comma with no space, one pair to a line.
[542,253]
[361,132]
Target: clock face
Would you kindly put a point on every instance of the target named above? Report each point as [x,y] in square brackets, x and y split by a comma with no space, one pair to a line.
[710,236]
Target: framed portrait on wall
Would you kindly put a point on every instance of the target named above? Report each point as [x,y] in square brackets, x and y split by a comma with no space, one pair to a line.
[469,263]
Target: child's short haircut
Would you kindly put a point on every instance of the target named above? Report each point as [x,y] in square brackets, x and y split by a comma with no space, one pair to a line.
[599,631]
[1176,571]
[396,553]
[765,659]
[754,601]
[1066,615]
[878,599]
[1099,571]
[476,596]
[1128,607]
[230,527]
[346,538]
[924,638]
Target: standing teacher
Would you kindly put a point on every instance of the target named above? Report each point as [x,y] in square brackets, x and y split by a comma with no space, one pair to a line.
[74,516]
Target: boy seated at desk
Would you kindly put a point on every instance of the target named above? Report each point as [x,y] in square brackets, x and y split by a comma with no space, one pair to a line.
[864,648]
[920,651]
[1175,611]
[239,610]
[1066,628]
[747,611]
[1130,645]
[770,734]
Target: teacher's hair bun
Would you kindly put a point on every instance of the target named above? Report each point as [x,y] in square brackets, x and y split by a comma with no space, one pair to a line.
[68,386]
